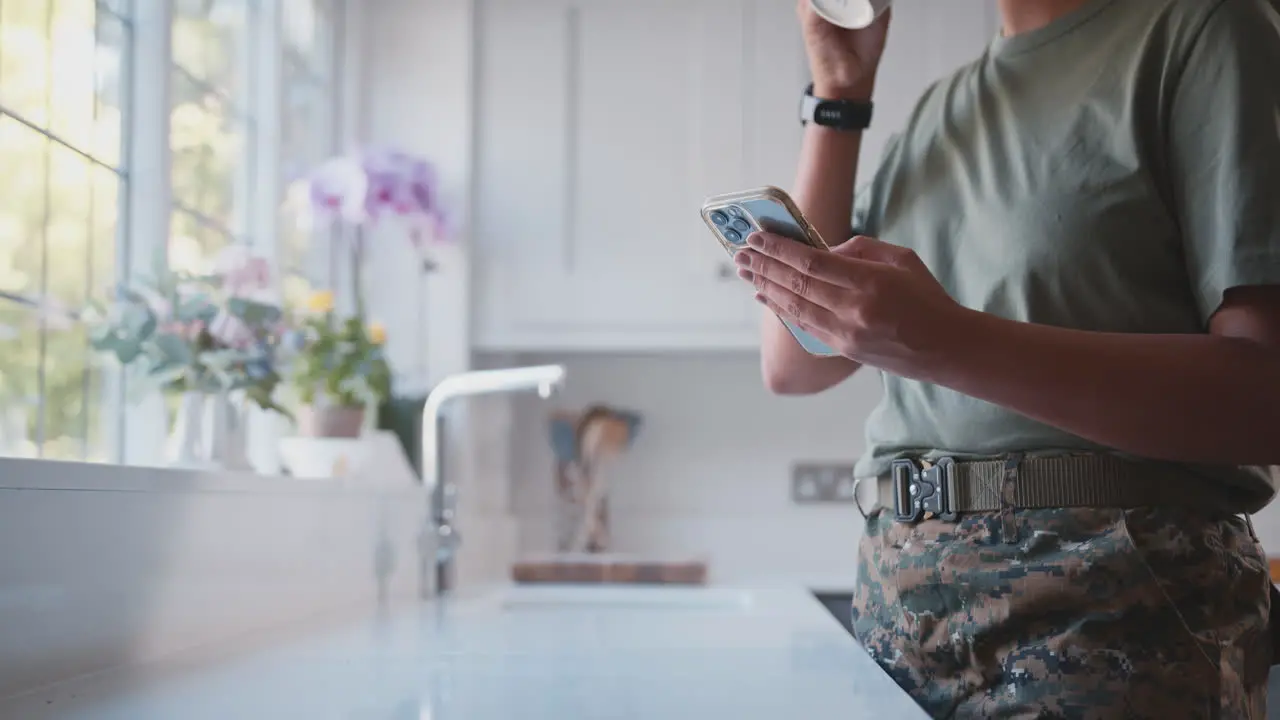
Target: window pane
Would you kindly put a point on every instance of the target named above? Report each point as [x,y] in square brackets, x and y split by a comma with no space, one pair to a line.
[306,115]
[64,254]
[304,133]
[19,380]
[22,207]
[207,143]
[72,73]
[76,92]
[308,35]
[69,408]
[81,228]
[26,52]
[193,243]
[111,72]
[120,8]
[209,42]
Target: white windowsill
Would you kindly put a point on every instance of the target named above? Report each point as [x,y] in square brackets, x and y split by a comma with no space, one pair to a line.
[24,474]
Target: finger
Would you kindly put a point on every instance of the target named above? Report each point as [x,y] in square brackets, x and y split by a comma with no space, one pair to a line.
[756,268]
[796,308]
[820,264]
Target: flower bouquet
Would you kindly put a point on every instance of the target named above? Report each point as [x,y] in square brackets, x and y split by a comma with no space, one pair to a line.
[213,339]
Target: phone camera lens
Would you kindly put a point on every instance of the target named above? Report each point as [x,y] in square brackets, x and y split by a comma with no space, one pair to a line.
[733,236]
[719,218]
[741,225]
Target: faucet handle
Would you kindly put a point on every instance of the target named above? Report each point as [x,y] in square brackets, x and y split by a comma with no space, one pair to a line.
[447,541]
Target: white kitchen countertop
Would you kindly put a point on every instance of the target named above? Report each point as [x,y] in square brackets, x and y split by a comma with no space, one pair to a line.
[522,652]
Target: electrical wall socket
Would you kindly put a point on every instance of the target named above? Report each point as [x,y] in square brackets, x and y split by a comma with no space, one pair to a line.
[822,483]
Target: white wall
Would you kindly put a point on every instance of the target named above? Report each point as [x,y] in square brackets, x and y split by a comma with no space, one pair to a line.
[417,97]
[710,472]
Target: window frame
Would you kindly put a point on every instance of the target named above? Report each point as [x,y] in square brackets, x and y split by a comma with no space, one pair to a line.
[135,431]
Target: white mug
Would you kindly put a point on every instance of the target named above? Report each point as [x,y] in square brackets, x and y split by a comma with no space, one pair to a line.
[852,14]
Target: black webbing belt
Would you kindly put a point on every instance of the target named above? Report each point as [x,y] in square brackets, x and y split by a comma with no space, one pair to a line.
[917,490]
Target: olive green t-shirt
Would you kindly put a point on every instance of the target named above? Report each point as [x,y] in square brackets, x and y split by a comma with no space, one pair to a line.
[1115,171]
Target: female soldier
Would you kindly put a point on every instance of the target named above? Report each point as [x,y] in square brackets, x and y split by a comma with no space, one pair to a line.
[1073,294]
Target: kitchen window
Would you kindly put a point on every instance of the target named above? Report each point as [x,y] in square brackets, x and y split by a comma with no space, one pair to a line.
[308,123]
[64,110]
[137,132]
[211,128]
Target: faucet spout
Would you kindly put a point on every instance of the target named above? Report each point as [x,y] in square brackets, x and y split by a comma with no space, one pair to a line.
[544,379]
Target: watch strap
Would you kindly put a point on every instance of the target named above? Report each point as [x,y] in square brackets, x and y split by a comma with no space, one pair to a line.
[850,115]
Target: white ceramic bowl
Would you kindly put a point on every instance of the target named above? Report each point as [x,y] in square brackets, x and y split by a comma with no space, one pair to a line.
[852,14]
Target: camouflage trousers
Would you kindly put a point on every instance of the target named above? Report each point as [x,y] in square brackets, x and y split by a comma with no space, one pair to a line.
[1079,613]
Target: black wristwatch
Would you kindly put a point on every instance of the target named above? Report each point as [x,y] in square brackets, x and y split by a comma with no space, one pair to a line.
[849,115]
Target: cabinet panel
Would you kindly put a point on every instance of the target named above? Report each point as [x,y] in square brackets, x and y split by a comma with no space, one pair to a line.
[779,72]
[589,213]
[659,127]
[522,129]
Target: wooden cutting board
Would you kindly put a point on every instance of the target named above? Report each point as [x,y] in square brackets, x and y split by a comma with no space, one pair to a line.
[609,569]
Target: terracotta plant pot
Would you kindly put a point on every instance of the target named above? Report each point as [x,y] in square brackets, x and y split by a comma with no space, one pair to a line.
[330,422]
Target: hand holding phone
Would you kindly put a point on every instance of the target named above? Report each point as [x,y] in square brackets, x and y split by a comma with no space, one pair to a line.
[734,216]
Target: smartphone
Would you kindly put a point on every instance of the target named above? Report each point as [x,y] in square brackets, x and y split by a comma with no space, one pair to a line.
[734,216]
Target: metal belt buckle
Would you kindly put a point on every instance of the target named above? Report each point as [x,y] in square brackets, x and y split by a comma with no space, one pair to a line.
[920,492]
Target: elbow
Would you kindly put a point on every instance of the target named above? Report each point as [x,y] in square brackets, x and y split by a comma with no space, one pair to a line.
[779,382]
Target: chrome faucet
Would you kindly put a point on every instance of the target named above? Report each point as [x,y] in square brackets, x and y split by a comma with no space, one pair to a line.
[545,379]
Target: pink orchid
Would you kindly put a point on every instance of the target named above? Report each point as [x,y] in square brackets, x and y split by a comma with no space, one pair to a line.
[378,185]
[338,189]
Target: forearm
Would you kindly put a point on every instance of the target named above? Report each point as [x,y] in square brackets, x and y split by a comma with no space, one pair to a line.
[824,190]
[1186,398]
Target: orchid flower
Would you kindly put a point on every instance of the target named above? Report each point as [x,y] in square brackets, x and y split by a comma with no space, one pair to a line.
[379,185]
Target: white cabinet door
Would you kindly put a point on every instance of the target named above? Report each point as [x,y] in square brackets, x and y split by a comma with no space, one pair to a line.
[601,127]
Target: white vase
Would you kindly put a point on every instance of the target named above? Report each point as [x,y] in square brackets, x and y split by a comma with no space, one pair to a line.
[225,437]
[186,442]
[209,433]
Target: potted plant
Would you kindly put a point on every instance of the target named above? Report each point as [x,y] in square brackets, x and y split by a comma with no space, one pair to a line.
[338,369]
[212,340]
[340,366]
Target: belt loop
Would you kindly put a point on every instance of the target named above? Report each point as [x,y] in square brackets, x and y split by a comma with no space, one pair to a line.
[857,501]
[1248,521]
[1008,498]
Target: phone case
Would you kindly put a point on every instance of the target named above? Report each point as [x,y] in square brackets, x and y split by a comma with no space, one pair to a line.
[769,209]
